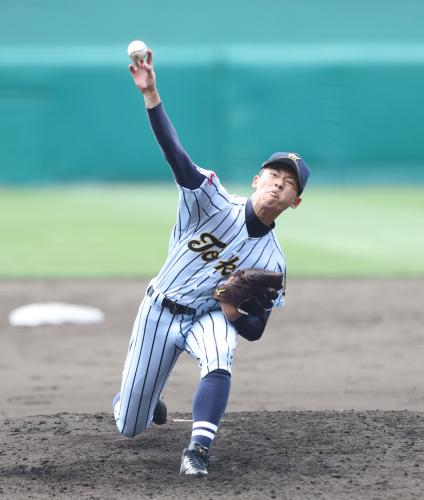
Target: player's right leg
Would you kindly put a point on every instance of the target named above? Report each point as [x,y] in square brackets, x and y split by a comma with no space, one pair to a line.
[151,356]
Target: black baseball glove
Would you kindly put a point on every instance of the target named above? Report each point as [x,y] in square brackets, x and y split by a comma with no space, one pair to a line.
[251,291]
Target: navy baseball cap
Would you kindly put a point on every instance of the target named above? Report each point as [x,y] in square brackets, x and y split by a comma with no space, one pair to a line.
[292,160]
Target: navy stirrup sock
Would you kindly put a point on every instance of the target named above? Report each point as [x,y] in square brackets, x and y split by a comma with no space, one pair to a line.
[209,403]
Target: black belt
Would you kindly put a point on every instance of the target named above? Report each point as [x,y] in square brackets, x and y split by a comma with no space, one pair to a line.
[174,307]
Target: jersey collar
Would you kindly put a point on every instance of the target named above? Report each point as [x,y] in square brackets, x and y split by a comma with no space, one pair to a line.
[255,227]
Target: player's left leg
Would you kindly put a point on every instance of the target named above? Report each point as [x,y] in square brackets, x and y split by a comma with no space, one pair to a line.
[212,340]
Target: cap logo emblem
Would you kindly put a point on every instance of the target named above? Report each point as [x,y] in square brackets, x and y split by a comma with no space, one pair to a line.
[293,156]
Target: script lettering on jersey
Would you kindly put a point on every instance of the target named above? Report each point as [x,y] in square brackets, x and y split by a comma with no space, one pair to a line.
[227,266]
[207,246]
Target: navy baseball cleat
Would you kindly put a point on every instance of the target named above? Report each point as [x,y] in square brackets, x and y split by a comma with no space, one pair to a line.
[194,461]
[160,414]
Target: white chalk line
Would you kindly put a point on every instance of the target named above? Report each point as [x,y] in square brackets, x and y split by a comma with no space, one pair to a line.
[190,420]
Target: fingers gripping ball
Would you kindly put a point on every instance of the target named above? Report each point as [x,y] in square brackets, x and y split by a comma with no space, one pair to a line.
[137,50]
[251,291]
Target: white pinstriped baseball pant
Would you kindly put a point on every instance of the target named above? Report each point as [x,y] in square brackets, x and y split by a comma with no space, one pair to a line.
[157,340]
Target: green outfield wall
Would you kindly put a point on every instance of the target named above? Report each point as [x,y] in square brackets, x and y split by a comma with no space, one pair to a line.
[341,84]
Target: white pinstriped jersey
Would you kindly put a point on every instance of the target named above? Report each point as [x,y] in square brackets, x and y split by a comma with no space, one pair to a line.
[209,242]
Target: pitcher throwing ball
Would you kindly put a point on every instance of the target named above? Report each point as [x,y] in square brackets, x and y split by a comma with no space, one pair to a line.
[217,241]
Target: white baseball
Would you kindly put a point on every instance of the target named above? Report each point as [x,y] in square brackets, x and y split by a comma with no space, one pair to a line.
[137,50]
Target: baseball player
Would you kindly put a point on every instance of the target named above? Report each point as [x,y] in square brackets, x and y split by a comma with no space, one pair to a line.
[215,235]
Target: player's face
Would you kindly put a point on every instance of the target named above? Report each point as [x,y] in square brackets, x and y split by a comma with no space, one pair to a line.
[276,189]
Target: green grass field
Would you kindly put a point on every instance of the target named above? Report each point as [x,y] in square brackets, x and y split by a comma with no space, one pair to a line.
[123,231]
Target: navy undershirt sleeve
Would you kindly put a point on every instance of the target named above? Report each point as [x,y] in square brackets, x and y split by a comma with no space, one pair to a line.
[251,327]
[185,172]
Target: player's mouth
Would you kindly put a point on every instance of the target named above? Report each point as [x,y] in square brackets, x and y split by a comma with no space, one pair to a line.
[274,194]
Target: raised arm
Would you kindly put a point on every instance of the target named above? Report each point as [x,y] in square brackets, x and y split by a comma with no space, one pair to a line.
[184,169]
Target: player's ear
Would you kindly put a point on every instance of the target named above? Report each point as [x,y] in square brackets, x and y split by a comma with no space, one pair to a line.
[255,181]
[296,202]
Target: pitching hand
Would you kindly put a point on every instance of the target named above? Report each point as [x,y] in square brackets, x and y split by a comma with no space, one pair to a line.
[144,74]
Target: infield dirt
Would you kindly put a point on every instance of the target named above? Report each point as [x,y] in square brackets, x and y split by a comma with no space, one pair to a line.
[305,416]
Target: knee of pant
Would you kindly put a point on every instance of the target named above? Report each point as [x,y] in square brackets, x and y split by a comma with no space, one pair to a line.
[127,433]
[130,431]
[221,363]
[214,367]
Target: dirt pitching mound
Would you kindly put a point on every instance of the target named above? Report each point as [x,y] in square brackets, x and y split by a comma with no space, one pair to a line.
[293,455]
